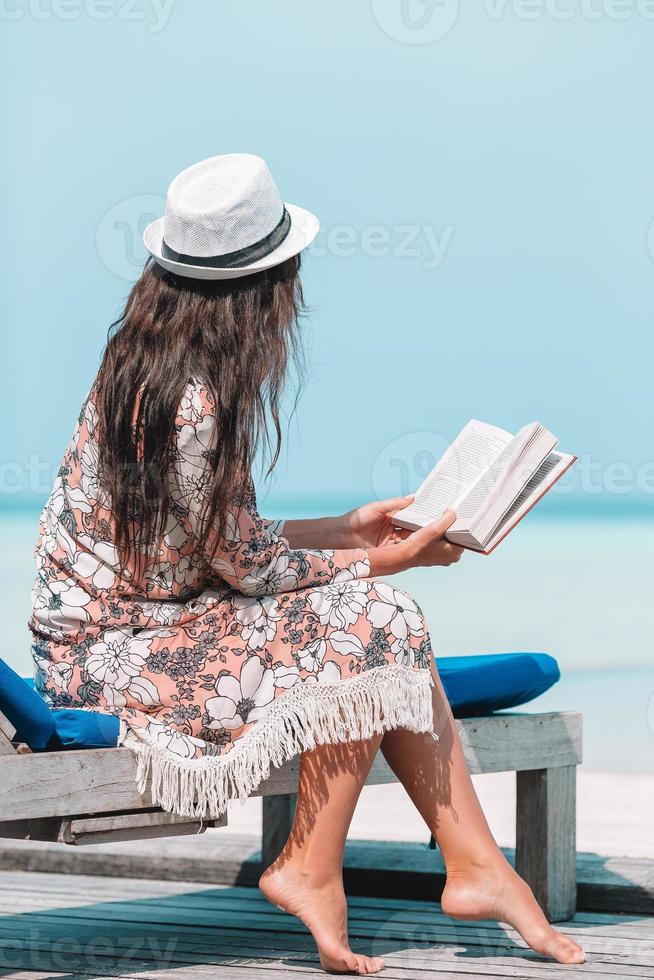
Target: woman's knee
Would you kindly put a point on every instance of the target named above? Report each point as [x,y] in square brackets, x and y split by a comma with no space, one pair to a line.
[397,610]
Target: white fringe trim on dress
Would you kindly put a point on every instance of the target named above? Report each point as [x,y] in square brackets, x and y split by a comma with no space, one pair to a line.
[373,702]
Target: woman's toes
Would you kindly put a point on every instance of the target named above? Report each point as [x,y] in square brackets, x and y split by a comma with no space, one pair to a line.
[349,963]
[345,961]
[367,965]
[575,953]
[565,950]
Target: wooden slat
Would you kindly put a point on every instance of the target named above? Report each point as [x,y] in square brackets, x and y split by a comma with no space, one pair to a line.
[499,743]
[516,742]
[131,826]
[6,748]
[102,780]
[7,732]
[6,727]
[66,783]
[40,829]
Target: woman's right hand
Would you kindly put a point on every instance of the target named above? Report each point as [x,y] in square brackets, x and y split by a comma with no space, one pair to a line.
[422,548]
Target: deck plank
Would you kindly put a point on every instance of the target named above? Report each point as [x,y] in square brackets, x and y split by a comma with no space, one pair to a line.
[101,780]
[79,927]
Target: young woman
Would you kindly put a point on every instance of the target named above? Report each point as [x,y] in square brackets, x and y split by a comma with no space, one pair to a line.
[226,642]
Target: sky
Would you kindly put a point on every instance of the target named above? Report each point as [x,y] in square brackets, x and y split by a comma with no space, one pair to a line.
[483,175]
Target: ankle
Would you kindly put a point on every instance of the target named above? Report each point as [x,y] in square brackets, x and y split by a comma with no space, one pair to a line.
[486,862]
[311,873]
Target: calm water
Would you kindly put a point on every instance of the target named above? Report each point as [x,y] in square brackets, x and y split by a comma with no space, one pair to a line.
[579,589]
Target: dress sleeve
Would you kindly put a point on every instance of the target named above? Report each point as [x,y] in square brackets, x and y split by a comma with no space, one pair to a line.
[251,555]
[277,527]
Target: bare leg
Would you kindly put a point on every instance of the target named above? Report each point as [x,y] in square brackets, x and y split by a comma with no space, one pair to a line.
[481,884]
[307,878]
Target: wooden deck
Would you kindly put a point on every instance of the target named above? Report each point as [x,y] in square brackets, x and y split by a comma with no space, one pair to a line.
[65,926]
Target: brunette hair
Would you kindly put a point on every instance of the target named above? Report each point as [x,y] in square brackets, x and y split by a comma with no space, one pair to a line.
[236,335]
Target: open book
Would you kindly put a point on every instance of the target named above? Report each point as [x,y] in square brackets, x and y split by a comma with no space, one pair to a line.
[491,479]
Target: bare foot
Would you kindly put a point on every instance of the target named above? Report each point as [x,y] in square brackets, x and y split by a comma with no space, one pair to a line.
[496,891]
[322,907]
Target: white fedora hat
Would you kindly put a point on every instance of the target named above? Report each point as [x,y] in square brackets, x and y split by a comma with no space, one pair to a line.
[225,218]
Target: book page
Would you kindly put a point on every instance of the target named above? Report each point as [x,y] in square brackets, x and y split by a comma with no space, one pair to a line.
[473,451]
[535,486]
[543,480]
[503,467]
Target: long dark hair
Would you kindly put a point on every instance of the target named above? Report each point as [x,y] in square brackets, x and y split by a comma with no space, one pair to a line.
[238,336]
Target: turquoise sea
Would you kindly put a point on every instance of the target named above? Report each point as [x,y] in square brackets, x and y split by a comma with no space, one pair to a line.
[578,586]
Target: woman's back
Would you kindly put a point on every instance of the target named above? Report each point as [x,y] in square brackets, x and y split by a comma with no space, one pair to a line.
[81,583]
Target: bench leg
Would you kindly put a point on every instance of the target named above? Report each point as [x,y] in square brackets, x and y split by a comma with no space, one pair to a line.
[545,838]
[278,814]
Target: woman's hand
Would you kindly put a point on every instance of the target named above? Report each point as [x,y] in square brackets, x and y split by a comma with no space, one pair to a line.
[371,525]
[422,548]
[428,546]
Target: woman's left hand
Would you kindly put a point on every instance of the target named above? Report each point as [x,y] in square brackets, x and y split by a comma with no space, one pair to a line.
[371,525]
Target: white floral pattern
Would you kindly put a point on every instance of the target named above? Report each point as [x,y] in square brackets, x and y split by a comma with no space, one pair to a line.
[241,701]
[259,618]
[117,663]
[340,605]
[397,612]
[312,656]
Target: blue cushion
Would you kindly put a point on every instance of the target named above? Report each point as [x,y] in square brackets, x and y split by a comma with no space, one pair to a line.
[480,684]
[41,728]
[80,729]
[25,709]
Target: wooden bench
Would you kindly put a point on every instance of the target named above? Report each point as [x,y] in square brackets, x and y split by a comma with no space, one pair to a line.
[90,796]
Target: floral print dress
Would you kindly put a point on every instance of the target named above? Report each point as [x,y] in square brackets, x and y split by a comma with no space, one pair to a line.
[224,660]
